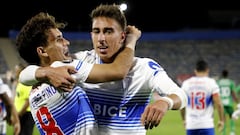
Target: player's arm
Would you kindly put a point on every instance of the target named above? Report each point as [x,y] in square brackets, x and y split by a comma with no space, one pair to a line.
[183,115]
[175,96]
[119,68]
[59,76]
[234,95]
[219,107]
[236,112]
[12,115]
[172,98]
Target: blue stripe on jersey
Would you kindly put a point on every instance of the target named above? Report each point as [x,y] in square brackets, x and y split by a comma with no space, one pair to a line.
[209,100]
[79,65]
[123,112]
[72,113]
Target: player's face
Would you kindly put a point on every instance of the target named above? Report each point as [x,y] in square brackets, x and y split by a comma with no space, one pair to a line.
[57,48]
[107,37]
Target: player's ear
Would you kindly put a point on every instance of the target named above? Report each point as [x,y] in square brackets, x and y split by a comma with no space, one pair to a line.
[123,37]
[41,51]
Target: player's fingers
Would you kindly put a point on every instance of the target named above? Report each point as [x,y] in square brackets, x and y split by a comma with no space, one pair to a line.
[71,70]
[71,81]
[144,114]
[146,125]
[158,119]
[67,88]
[151,125]
[154,119]
[150,115]
[149,121]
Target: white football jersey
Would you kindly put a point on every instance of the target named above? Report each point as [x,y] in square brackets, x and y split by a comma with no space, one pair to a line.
[118,105]
[200,109]
[4,88]
[63,113]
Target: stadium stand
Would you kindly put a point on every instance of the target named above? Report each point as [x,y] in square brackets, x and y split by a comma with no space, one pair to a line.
[177,52]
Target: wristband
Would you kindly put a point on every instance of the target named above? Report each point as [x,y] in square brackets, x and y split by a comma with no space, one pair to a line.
[169,101]
[27,75]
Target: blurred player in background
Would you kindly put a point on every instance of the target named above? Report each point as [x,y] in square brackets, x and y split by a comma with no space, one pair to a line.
[8,113]
[228,97]
[21,103]
[203,94]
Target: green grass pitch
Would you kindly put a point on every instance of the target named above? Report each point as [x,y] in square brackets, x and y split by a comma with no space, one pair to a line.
[171,124]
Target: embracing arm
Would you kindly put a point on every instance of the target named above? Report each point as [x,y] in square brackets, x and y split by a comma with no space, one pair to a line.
[57,76]
[61,76]
[119,68]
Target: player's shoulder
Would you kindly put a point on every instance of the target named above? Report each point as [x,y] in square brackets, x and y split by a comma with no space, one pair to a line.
[145,60]
[147,63]
[188,80]
[84,54]
[212,79]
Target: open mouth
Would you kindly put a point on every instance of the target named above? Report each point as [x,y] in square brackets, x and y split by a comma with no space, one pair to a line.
[103,49]
[66,53]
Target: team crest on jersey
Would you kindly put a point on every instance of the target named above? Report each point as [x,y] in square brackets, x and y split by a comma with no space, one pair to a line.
[156,67]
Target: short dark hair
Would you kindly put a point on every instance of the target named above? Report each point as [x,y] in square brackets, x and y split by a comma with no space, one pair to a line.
[225,73]
[201,65]
[112,11]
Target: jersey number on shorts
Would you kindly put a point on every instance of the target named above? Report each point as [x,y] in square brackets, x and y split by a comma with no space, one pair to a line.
[50,126]
[197,100]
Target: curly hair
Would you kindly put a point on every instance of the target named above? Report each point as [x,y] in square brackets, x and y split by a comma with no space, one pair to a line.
[34,34]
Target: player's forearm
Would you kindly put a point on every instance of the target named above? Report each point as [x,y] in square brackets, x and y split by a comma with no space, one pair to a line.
[15,122]
[132,35]
[182,112]
[171,89]
[33,74]
[178,96]
[27,76]
[220,112]
[132,44]
[123,62]
[14,114]
[177,102]
[235,98]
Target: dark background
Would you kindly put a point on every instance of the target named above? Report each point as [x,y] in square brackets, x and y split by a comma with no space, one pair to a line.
[149,16]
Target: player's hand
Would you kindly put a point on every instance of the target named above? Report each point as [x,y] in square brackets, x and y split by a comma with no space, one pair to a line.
[184,123]
[132,35]
[16,128]
[235,115]
[154,113]
[15,123]
[60,77]
[220,126]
